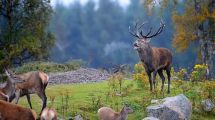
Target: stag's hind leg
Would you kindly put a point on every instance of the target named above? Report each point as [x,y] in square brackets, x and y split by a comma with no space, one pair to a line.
[168,70]
[160,72]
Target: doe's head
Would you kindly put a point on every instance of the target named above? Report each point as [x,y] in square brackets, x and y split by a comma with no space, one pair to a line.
[11,77]
[127,109]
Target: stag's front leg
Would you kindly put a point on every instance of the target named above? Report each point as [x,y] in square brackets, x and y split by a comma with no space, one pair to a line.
[150,80]
[154,79]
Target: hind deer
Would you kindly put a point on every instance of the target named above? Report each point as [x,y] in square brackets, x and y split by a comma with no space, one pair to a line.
[106,113]
[48,114]
[35,82]
[9,111]
[8,91]
[154,59]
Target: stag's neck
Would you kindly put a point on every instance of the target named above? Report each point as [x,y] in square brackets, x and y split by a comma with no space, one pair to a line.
[146,56]
[9,88]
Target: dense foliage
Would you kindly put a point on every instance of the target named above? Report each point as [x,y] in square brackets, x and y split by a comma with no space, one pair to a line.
[23,34]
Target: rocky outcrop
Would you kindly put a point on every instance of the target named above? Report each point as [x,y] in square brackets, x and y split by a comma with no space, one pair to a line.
[82,75]
[171,108]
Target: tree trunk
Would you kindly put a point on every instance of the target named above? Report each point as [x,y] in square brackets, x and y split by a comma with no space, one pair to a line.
[206,36]
[210,39]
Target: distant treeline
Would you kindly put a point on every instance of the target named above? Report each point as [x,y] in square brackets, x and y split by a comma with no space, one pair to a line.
[98,33]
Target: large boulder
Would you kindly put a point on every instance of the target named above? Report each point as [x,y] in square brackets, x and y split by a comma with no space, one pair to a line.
[171,108]
[207,105]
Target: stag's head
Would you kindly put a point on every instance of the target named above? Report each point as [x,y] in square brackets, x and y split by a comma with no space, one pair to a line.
[143,40]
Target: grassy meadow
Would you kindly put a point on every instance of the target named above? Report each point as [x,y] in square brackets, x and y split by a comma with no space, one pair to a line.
[85,99]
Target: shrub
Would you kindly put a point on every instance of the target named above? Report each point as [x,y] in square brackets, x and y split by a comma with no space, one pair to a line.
[115,82]
[199,72]
[181,74]
[49,66]
[209,90]
[138,68]
[140,76]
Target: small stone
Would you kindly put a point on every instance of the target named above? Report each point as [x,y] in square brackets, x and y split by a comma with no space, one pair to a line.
[207,105]
[78,117]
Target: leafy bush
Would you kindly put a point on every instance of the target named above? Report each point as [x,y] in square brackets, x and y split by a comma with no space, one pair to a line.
[181,74]
[49,66]
[115,82]
[140,76]
[209,90]
[199,73]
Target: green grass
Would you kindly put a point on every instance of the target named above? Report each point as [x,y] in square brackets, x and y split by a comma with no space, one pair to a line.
[85,99]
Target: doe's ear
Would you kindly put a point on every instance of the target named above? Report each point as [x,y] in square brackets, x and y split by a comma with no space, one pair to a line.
[6,72]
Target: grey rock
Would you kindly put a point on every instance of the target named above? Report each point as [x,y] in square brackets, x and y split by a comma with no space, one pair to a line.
[150,118]
[171,108]
[78,117]
[207,105]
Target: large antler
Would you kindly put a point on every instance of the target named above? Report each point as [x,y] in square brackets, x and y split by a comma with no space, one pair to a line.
[141,35]
[137,28]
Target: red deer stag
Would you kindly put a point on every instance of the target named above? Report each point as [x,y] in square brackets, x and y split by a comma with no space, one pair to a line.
[154,60]
[35,82]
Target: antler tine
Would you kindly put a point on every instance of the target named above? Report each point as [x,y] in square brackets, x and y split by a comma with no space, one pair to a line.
[145,36]
[132,33]
[158,31]
[137,28]
[141,25]
[149,31]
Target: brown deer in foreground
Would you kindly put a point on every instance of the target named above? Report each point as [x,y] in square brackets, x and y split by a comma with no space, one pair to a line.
[35,82]
[9,111]
[154,60]
[106,113]
[48,114]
